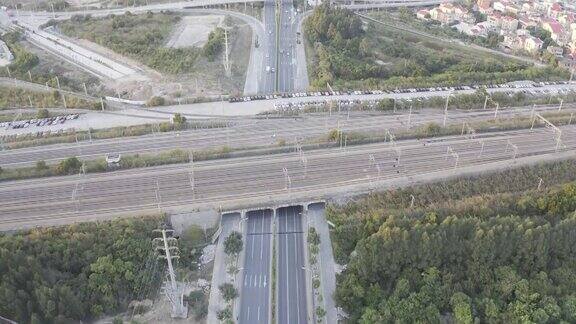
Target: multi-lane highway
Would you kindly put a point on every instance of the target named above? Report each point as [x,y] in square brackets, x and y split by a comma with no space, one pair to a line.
[245,133]
[286,46]
[291,267]
[254,179]
[269,17]
[256,284]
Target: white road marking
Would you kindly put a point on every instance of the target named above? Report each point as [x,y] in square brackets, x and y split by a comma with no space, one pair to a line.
[296,257]
[287,276]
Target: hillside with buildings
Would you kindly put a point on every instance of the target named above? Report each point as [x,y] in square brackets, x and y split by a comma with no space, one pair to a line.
[539,28]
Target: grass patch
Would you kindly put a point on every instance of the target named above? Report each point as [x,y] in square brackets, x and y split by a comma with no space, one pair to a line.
[21,98]
[30,140]
[138,36]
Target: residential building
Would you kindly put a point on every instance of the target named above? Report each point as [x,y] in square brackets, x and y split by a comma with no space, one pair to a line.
[556,50]
[495,19]
[533,44]
[500,6]
[556,31]
[555,10]
[423,14]
[509,24]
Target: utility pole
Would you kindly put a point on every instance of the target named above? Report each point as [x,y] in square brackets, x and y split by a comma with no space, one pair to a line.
[496,111]
[450,151]
[446,109]
[226,54]
[409,117]
[485,102]
[539,184]
[287,180]
[557,131]
[514,148]
[191,173]
[173,290]
[374,163]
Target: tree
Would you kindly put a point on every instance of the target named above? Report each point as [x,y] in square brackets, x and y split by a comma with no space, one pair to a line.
[228,291]
[179,120]
[42,113]
[156,101]
[69,166]
[233,244]
[214,44]
[461,308]
[224,314]
[313,237]
[41,165]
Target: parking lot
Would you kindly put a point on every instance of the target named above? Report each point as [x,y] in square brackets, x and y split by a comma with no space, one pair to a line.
[38,122]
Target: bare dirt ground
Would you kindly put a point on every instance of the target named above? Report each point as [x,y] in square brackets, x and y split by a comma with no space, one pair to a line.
[193,31]
[208,79]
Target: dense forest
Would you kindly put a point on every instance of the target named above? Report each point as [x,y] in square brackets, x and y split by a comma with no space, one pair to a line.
[485,249]
[349,54]
[77,272]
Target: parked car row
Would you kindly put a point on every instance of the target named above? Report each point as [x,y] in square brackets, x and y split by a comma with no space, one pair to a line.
[38,122]
[39,134]
[528,84]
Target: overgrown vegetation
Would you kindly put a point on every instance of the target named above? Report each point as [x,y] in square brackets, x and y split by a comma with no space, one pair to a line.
[214,44]
[20,98]
[25,67]
[490,249]
[14,142]
[348,56]
[77,272]
[140,36]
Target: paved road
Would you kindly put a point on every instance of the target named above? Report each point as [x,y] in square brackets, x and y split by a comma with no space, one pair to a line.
[286,47]
[291,283]
[316,217]
[252,132]
[230,222]
[255,298]
[328,172]
[269,42]
[301,81]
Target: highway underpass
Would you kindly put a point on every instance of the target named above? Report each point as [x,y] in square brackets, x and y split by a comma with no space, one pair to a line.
[255,299]
[281,227]
[291,266]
